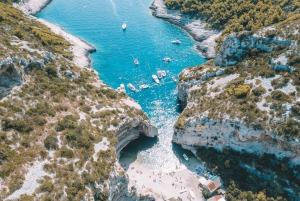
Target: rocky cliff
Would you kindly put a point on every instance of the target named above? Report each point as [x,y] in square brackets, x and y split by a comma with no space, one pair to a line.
[247,100]
[131,130]
[61,128]
[196,28]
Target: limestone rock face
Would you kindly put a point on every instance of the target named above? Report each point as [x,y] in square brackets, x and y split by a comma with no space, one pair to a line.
[196,28]
[231,133]
[118,183]
[236,47]
[182,93]
[131,130]
[9,77]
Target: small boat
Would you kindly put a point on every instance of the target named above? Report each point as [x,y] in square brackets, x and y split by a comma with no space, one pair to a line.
[185,157]
[159,74]
[163,73]
[174,79]
[166,59]
[176,41]
[130,86]
[124,26]
[144,86]
[155,79]
[136,62]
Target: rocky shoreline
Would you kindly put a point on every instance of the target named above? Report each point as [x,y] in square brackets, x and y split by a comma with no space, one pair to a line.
[117,183]
[195,28]
[80,49]
[32,7]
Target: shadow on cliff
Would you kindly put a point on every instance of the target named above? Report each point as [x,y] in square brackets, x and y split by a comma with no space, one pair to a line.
[192,160]
[131,151]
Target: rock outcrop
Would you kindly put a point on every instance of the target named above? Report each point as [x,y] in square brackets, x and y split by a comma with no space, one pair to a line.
[236,46]
[131,130]
[9,77]
[196,28]
[232,133]
[32,7]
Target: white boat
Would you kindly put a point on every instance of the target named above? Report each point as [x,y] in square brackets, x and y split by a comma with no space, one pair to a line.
[185,157]
[124,26]
[144,86]
[121,88]
[159,74]
[155,79]
[166,59]
[174,79]
[163,73]
[136,62]
[176,41]
[130,86]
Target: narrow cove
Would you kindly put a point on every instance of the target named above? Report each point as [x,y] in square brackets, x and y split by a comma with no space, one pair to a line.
[149,40]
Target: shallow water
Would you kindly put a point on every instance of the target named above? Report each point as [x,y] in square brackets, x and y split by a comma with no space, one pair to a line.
[149,40]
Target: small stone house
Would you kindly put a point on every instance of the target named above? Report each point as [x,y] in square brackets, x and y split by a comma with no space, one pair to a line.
[210,185]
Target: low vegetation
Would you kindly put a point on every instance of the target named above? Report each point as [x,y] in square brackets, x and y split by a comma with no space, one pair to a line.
[267,175]
[234,16]
[54,119]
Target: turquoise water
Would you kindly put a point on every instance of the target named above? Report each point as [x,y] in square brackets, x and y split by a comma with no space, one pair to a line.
[149,40]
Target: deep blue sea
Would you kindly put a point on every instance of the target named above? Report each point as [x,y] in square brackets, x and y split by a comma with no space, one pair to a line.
[149,40]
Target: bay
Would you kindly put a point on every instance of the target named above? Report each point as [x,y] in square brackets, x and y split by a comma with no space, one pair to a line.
[147,39]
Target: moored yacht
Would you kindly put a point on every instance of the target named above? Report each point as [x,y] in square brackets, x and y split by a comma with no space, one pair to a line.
[176,41]
[144,86]
[136,62]
[174,79]
[159,74]
[166,59]
[163,73]
[154,77]
[124,26]
[130,86]
[185,157]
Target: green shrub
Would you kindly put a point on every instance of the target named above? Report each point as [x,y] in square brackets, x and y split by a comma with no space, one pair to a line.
[5,153]
[18,33]
[86,108]
[239,91]
[266,72]
[25,143]
[280,82]
[41,109]
[2,17]
[180,124]
[38,120]
[66,153]
[242,90]
[68,121]
[258,91]
[52,71]
[294,60]
[115,122]
[279,95]
[296,109]
[290,128]
[47,186]
[51,142]
[25,197]
[18,124]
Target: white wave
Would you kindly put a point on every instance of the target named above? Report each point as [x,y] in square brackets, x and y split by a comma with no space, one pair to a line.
[114,9]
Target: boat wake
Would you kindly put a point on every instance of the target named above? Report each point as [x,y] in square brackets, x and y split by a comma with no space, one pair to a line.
[114,9]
